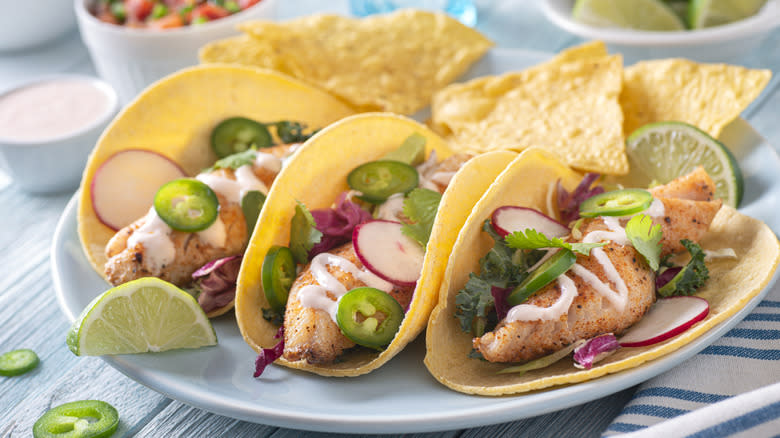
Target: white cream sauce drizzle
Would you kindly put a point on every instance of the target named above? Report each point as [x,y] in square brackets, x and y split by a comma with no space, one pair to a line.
[154,236]
[619,298]
[426,171]
[233,190]
[392,208]
[215,235]
[268,161]
[316,295]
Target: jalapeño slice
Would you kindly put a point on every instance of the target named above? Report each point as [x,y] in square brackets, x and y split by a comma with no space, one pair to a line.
[548,271]
[378,180]
[186,205]
[86,418]
[616,203]
[238,134]
[369,317]
[18,362]
[277,275]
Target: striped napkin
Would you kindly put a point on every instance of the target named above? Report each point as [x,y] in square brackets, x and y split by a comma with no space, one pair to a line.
[730,388]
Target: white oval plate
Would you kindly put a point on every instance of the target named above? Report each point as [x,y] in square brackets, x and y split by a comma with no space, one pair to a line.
[401,396]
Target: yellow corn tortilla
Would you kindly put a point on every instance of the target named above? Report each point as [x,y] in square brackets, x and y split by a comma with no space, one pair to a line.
[390,62]
[315,177]
[732,283]
[708,96]
[175,116]
[568,105]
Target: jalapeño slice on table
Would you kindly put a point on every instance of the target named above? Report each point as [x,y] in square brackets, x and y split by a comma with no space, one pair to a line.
[369,317]
[378,180]
[186,205]
[86,418]
[548,271]
[18,362]
[277,275]
[616,203]
[238,134]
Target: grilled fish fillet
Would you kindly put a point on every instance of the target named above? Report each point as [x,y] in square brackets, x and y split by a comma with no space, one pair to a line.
[309,333]
[687,216]
[125,264]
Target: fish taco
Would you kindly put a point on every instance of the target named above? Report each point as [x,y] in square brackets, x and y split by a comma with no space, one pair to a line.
[346,269]
[566,267]
[174,185]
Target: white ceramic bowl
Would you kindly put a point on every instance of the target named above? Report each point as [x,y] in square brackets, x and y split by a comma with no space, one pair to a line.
[33,22]
[717,44]
[130,59]
[55,164]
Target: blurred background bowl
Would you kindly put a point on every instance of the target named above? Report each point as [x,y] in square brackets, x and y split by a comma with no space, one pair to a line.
[33,23]
[130,59]
[725,43]
[53,164]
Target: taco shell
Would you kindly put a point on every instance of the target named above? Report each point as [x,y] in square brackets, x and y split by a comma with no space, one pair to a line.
[175,116]
[315,177]
[732,283]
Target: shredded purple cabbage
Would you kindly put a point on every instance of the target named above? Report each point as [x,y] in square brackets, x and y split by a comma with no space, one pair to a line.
[336,224]
[500,295]
[216,281]
[569,203]
[594,350]
[666,276]
[269,355]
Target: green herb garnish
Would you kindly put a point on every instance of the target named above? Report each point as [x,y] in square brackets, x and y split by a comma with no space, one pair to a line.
[303,234]
[236,160]
[532,239]
[646,238]
[691,277]
[420,206]
[291,132]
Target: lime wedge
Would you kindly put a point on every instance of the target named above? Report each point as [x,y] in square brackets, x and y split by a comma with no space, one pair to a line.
[142,315]
[637,14]
[660,152]
[709,13]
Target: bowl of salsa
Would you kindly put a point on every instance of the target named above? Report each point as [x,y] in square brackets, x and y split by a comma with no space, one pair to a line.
[133,43]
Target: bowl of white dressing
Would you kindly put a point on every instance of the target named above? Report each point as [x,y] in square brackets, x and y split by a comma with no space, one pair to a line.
[48,127]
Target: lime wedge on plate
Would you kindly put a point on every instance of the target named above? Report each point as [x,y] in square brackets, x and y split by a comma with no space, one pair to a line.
[660,152]
[709,13]
[142,315]
[638,14]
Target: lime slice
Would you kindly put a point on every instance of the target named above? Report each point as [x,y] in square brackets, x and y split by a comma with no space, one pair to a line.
[638,14]
[709,13]
[661,152]
[142,315]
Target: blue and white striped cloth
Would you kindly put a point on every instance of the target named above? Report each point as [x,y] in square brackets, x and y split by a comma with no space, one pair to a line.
[731,388]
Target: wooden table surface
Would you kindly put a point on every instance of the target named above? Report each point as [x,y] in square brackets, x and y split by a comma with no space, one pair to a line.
[31,318]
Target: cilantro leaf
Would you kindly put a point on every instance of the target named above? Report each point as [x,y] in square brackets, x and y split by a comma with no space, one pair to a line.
[691,277]
[291,132]
[532,239]
[420,206]
[646,238]
[303,234]
[236,160]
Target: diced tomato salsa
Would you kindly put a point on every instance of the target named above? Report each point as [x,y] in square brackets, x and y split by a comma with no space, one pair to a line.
[166,14]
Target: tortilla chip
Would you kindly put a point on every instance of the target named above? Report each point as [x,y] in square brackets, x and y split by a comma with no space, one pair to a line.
[732,283]
[568,105]
[392,62]
[315,177]
[708,96]
[175,116]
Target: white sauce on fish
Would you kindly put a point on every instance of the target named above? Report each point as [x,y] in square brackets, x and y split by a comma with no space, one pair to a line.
[317,295]
[154,236]
[233,190]
[392,208]
[619,298]
[215,235]
[268,161]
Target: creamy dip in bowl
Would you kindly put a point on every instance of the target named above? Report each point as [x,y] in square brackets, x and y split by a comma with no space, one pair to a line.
[48,127]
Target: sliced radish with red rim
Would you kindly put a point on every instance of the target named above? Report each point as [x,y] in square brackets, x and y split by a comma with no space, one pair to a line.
[387,252]
[667,318]
[508,219]
[124,185]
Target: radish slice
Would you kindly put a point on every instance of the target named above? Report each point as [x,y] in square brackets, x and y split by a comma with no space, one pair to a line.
[124,185]
[508,219]
[384,250]
[667,318]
